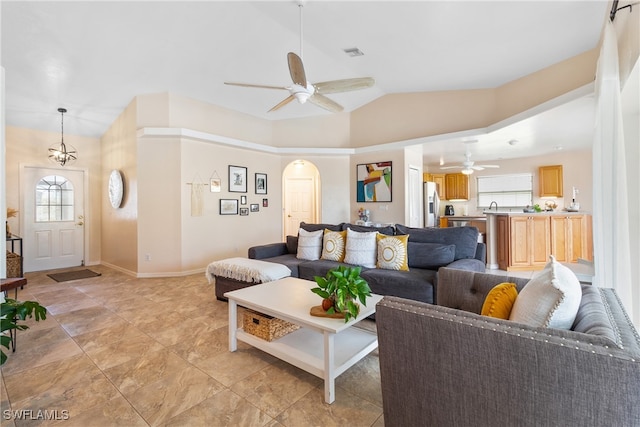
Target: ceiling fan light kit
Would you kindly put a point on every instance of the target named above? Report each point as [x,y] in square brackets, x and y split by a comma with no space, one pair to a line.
[468,166]
[302,90]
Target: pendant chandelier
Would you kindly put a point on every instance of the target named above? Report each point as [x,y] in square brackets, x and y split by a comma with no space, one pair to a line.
[62,153]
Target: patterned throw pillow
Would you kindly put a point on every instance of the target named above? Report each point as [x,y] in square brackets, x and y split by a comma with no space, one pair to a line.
[392,252]
[550,299]
[309,244]
[500,300]
[333,245]
[361,248]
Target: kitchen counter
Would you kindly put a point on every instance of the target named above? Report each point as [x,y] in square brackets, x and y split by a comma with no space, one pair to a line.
[466,217]
[548,213]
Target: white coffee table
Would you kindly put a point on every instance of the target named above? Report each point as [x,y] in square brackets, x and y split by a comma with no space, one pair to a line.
[323,346]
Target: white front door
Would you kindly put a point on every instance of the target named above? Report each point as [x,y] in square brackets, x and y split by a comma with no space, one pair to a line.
[299,203]
[53,218]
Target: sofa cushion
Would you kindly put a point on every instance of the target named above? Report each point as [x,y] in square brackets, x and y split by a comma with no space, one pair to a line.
[550,299]
[309,269]
[333,245]
[316,227]
[429,255]
[392,252]
[361,248]
[387,229]
[309,244]
[593,316]
[417,284]
[465,238]
[290,260]
[500,300]
[292,244]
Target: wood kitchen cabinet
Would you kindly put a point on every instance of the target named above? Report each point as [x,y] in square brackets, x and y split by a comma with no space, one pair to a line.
[438,178]
[571,237]
[524,242]
[551,182]
[456,186]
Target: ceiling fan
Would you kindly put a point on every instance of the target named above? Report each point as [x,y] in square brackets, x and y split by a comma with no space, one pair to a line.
[468,166]
[303,91]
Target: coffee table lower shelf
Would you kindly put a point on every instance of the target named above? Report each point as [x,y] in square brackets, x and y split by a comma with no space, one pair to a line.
[305,348]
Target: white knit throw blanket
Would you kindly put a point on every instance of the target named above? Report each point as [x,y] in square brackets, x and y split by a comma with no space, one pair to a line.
[247,270]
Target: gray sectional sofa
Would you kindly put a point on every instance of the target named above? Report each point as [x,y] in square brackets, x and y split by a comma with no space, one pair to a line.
[463,369]
[428,250]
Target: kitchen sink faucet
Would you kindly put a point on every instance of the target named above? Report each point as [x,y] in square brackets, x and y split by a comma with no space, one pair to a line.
[493,203]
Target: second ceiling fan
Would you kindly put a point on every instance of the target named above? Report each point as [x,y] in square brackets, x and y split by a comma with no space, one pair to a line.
[468,166]
[302,90]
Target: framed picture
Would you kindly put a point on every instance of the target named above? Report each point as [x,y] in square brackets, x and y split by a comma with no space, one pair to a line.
[237,179]
[261,183]
[254,207]
[215,185]
[228,206]
[265,203]
[244,211]
[243,200]
[373,182]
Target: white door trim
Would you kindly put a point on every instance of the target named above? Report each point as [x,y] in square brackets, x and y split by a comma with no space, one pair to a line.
[87,212]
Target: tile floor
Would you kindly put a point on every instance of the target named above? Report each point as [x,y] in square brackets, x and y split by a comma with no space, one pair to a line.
[120,351]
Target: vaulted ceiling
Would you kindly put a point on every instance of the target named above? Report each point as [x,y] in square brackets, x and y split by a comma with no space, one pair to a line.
[94,57]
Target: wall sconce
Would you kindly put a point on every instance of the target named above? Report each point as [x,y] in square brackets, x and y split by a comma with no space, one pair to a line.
[62,153]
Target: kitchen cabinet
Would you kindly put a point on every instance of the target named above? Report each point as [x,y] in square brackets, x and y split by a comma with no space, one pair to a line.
[550,180]
[571,237]
[456,186]
[524,242]
[438,178]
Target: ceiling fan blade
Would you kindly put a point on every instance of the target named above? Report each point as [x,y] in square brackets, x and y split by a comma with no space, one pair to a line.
[258,86]
[326,103]
[478,168]
[490,166]
[282,103]
[344,85]
[452,167]
[296,69]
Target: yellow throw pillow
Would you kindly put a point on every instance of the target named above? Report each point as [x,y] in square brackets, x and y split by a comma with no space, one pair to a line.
[333,245]
[392,252]
[500,300]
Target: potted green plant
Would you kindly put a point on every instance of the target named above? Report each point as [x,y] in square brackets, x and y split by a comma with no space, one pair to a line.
[10,312]
[340,290]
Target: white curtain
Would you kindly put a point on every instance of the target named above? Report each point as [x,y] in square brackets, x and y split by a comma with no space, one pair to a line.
[610,206]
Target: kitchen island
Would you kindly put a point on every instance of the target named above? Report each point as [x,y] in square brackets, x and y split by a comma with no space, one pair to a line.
[524,241]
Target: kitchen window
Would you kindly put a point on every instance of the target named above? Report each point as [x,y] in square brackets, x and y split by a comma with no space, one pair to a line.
[508,191]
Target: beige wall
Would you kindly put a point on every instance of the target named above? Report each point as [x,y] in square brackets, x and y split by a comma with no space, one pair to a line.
[28,147]
[119,227]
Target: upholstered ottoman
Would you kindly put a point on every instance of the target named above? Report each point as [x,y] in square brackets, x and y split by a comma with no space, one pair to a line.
[236,273]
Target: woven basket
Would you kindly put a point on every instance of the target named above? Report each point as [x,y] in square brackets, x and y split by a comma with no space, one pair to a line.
[13,265]
[266,327]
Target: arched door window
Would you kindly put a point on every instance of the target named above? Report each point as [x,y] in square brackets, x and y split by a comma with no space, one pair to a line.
[54,199]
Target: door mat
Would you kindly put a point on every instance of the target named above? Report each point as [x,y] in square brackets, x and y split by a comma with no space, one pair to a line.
[73,275]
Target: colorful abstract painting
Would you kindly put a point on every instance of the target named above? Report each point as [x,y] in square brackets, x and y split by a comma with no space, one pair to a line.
[374,182]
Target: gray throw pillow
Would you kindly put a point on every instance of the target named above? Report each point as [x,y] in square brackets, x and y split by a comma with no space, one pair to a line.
[430,255]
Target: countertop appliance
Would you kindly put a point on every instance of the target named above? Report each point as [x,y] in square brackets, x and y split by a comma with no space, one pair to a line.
[448,210]
[431,204]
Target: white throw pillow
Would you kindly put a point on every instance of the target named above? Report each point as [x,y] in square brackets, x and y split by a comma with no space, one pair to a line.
[361,248]
[550,299]
[309,244]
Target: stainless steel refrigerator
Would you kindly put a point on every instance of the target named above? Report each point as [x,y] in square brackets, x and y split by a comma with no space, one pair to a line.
[431,204]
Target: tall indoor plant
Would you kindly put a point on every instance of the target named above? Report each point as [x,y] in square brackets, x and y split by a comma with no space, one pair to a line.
[340,289]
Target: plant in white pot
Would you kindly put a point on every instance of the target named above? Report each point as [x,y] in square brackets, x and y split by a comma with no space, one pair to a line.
[340,290]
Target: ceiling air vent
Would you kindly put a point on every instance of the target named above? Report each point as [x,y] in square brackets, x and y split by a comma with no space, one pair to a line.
[353,51]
